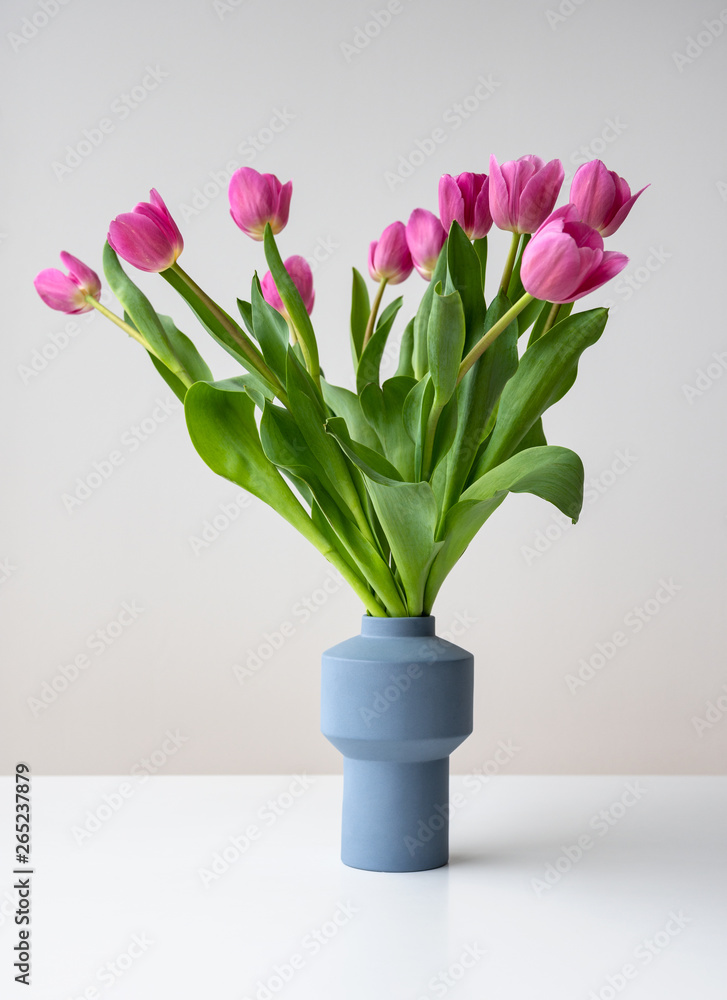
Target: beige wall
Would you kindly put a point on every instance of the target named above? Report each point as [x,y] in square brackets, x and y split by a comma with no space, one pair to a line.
[202,653]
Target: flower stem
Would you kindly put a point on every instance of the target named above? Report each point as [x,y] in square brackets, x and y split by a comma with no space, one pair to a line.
[492,334]
[510,262]
[252,354]
[552,317]
[180,372]
[374,312]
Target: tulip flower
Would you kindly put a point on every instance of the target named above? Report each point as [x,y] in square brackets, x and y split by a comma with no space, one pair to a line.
[68,292]
[389,257]
[302,277]
[425,238]
[565,259]
[148,236]
[602,198]
[523,192]
[257,199]
[466,199]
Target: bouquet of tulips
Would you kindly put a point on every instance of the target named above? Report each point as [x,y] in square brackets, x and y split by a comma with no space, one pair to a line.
[390,482]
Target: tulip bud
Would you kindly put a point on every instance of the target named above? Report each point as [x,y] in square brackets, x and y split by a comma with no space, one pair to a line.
[257,199]
[301,276]
[425,238]
[389,257]
[68,292]
[602,198]
[466,199]
[565,259]
[148,236]
[523,192]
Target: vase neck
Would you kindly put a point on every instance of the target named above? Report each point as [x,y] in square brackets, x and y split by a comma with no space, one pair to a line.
[397,627]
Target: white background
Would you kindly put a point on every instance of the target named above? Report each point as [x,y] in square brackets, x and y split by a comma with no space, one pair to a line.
[599,79]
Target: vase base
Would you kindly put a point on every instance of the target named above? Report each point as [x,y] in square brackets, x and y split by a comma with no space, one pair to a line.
[395,815]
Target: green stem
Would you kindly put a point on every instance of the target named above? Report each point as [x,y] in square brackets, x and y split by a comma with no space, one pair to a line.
[552,317]
[510,262]
[181,373]
[247,347]
[374,312]
[492,334]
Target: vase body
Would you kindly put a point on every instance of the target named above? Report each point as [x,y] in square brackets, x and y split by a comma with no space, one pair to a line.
[396,700]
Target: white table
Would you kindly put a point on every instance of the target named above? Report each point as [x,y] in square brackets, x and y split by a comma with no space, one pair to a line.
[130,913]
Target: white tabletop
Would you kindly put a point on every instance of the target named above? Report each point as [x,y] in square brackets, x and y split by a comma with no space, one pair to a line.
[157,903]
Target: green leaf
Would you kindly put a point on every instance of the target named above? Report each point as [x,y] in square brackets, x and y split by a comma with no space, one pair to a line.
[421,320]
[222,427]
[480,248]
[292,302]
[383,409]
[445,434]
[545,373]
[406,349]
[408,516]
[311,417]
[245,310]
[555,474]
[270,330]
[478,394]
[445,341]
[286,447]
[417,407]
[370,364]
[360,309]
[371,463]
[142,314]
[211,323]
[563,312]
[344,403]
[187,353]
[464,275]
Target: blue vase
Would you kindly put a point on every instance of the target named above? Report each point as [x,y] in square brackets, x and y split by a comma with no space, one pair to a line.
[396,701]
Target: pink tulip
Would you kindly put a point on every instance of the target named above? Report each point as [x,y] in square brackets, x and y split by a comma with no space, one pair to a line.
[466,199]
[68,292]
[148,236]
[425,238]
[389,257]
[565,259]
[302,277]
[602,197]
[523,192]
[256,199]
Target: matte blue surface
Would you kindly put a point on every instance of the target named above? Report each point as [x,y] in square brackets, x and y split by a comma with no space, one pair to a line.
[396,701]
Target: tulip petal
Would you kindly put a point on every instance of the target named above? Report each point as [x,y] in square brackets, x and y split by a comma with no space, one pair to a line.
[610,265]
[592,191]
[60,292]
[139,240]
[550,266]
[498,196]
[621,214]
[539,195]
[451,205]
[84,276]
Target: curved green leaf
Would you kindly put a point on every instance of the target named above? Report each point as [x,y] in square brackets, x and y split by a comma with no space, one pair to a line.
[270,330]
[478,394]
[292,302]
[383,409]
[545,373]
[550,472]
[360,309]
[370,364]
[445,341]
